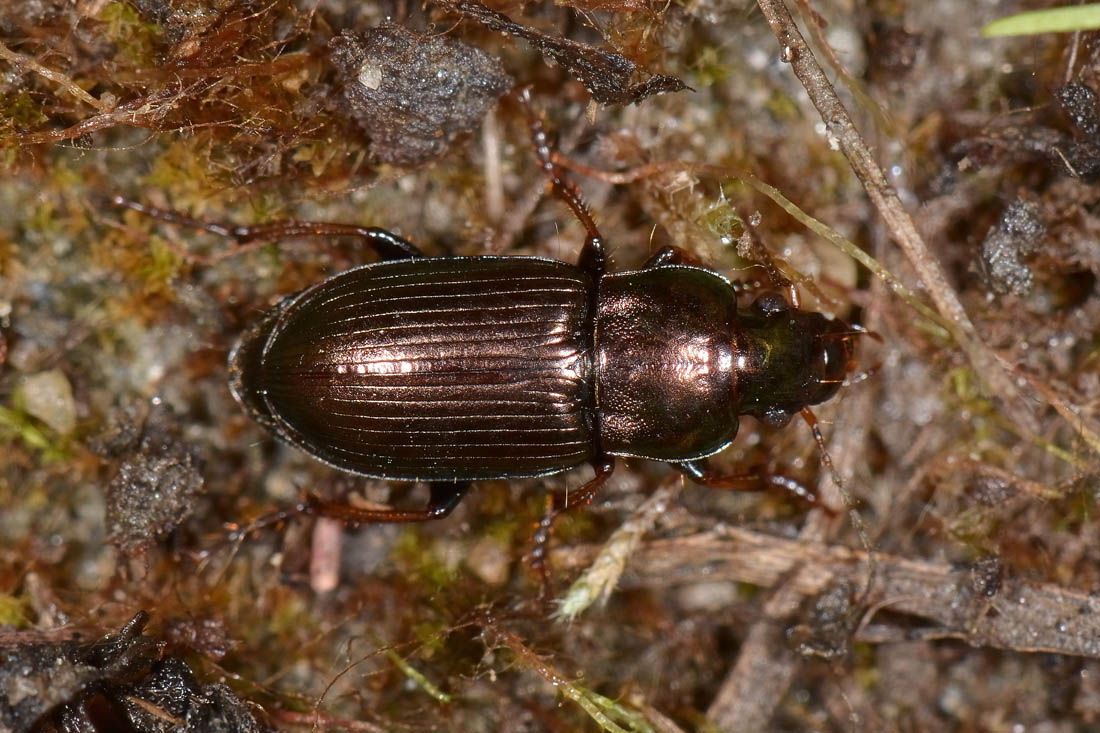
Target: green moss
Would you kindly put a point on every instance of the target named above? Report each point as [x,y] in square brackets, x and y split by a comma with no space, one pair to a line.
[965,392]
[418,677]
[708,67]
[431,635]
[14,612]
[722,220]
[782,107]
[21,113]
[1050,20]
[419,562]
[268,206]
[183,171]
[504,531]
[8,255]
[43,219]
[864,664]
[161,267]
[974,527]
[291,617]
[136,39]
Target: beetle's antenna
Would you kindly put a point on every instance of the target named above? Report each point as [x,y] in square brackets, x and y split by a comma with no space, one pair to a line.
[854,329]
[849,334]
[811,419]
[175,217]
[853,513]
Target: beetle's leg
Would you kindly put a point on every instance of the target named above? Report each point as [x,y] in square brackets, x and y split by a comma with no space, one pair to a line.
[445,497]
[593,257]
[701,472]
[604,466]
[779,281]
[388,245]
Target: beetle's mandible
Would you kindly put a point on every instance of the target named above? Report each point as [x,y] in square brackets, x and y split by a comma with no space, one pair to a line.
[451,370]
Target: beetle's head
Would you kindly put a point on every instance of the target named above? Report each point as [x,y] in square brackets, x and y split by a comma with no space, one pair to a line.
[788,359]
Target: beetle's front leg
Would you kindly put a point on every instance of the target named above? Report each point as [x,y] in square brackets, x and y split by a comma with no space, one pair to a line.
[700,471]
[593,257]
[445,496]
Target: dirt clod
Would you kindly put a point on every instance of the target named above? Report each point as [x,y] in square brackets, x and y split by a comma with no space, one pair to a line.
[415,94]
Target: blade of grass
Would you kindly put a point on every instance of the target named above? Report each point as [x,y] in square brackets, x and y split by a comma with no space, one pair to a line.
[1051,20]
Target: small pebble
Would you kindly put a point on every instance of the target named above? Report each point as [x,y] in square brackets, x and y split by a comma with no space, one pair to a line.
[48,396]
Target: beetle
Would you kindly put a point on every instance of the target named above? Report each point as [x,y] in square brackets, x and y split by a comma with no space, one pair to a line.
[450,370]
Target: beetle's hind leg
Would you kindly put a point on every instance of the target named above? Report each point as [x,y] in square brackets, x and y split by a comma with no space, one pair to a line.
[386,244]
[445,496]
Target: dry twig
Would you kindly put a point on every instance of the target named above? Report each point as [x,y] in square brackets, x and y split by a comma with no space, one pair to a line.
[1007,614]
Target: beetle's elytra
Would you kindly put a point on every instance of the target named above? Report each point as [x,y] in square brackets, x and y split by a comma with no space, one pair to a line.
[450,370]
[430,369]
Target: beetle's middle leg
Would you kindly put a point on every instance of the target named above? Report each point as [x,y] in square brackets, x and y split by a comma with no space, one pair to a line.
[604,466]
[445,496]
[593,258]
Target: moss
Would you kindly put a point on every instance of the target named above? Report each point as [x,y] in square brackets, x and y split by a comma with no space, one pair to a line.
[232,114]
[421,563]
[138,41]
[14,612]
[708,67]
[20,112]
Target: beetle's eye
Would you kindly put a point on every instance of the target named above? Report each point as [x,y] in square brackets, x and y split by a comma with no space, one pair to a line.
[771,303]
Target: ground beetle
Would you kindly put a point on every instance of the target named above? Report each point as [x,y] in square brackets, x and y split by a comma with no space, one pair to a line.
[450,370]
